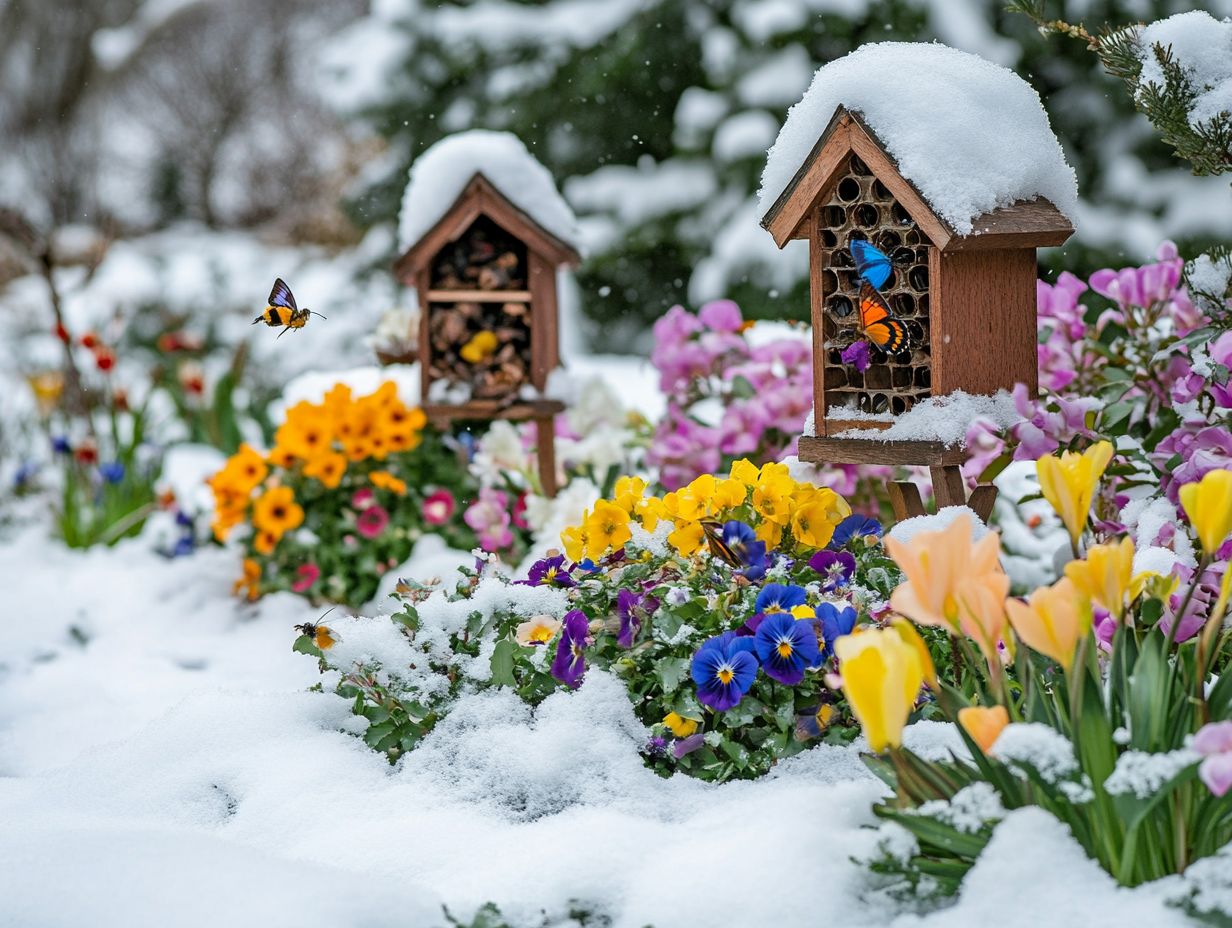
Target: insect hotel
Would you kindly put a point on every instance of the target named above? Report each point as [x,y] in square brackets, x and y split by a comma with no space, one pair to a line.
[941,305]
[484,234]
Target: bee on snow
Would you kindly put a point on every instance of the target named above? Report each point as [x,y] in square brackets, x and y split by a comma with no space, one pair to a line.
[282,311]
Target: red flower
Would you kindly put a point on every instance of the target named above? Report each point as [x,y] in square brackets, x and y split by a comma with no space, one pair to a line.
[62,334]
[519,512]
[120,399]
[90,340]
[105,358]
[87,452]
[306,576]
[439,507]
[372,521]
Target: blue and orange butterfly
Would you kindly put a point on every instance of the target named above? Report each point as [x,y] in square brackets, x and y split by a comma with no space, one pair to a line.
[872,264]
[879,325]
[282,310]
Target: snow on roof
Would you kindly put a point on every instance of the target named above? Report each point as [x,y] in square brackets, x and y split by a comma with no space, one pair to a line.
[972,136]
[439,175]
[1202,46]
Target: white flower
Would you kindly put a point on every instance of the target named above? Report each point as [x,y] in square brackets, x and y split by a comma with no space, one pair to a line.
[596,405]
[500,451]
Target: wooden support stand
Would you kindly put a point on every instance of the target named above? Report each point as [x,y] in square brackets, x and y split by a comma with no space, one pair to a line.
[542,412]
[943,463]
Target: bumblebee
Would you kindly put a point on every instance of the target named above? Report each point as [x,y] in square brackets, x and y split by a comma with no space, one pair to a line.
[282,311]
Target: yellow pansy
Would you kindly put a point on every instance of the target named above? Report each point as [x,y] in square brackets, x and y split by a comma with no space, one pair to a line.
[606,528]
[745,471]
[688,538]
[574,541]
[538,629]
[1208,503]
[678,725]
[728,494]
[769,532]
[1069,482]
[816,516]
[882,675]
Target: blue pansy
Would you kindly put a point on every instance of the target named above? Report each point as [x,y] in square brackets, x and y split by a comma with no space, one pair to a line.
[778,597]
[60,445]
[835,623]
[855,526]
[112,471]
[724,668]
[786,647]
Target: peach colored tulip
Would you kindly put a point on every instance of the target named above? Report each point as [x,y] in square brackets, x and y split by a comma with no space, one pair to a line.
[983,724]
[1052,621]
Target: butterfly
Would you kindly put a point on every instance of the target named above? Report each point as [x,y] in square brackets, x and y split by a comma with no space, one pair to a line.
[282,310]
[719,548]
[879,325]
[872,264]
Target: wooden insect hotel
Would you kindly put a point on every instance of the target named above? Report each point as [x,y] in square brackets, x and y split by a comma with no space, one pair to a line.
[485,273]
[967,303]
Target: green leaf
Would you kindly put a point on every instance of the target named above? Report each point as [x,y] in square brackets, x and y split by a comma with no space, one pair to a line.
[672,672]
[502,663]
[303,645]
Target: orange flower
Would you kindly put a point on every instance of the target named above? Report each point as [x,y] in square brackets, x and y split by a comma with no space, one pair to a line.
[250,581]
[983,724]
[265,542]
[276,512]
[387,481]
[953,583]
[243,471]
[328,468]
[1053,620]
[306,433]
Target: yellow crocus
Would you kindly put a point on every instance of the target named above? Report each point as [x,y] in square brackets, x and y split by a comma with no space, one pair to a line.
[1105,575]
[1053,620]
[906,631]
[678,725]
[1069,482]
[1208,503]
[882,675]
[984,724]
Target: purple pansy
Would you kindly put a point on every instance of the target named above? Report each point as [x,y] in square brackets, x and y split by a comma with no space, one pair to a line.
[570,662]
[857,355]
[724,668]
[632,608]
[549,571]
[786,647]
[835,567]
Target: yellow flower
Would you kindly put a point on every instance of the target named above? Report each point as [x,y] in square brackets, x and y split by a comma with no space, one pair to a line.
[953,583]
[47,387]
[276,512]
[983,724]
[696,501]
[1105,575]
[728,494]
[327,468]
[481,347]
[882,675]
[387,481]
[250,581]
[1069,482]
[678,725]
[265,541]
[745,471]
[816,516]
[1052,620]
[906,631]
[539,629]
[1208,503]
[650,511]
[574,540]
[243,471]
[281,457]
[769,532]
[607,527]
[687,538]
[773,493]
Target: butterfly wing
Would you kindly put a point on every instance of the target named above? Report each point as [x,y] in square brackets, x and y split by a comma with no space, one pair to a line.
[872,264]
[878,324]
[281,295]
[718,547]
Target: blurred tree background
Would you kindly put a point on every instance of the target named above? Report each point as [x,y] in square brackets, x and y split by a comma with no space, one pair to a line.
[654,115]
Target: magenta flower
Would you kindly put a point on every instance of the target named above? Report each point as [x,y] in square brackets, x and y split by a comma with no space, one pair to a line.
[1214,742]
[372,521]
[438,508]
[305,576]
[721,316]
[363,497]
[489,517]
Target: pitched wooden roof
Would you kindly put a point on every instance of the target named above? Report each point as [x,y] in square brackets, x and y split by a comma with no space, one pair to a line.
[1025,224]
[480,197]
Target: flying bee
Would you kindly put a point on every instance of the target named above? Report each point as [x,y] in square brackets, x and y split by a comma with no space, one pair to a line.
[282,311]
[322,636]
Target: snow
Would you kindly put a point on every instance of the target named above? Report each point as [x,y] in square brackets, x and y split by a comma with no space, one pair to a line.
[968,810]
[1038,746]
[1142,775]
[1202,46]
[938,418]
[439,175]
[971,135]
[942,519]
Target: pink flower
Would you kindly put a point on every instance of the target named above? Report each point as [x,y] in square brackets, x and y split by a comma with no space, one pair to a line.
[305,577]
[1214,742]
[363,498]
[489,517]
[721,316]
[372,521]
[439,507]
[984,445]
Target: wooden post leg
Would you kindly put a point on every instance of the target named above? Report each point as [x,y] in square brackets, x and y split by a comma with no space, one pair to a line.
[545,447]
[948,486]
[905,499]
[982,499]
